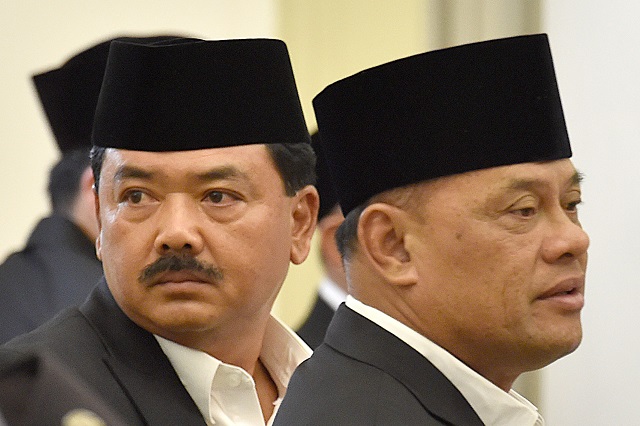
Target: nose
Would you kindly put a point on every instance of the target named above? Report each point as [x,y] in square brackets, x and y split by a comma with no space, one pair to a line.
[566,240]
[179,226]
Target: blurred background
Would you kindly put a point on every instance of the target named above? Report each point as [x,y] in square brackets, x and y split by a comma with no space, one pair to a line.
[595,49]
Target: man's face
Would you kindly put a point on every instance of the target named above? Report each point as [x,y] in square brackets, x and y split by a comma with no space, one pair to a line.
[194,243]
[501,259]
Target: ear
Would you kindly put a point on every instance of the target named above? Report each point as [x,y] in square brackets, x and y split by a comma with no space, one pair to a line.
[305,215]
[84,210]
[99,239]
[381,233]
[87,180]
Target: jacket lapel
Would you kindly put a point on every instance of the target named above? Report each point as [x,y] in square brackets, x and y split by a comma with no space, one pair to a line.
[139,365]
[357,337]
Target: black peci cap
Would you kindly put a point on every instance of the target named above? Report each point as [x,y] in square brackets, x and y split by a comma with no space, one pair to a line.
[187,94]
[439,113]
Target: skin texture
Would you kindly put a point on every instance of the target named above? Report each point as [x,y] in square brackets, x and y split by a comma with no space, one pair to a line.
[222,209]
[481,264]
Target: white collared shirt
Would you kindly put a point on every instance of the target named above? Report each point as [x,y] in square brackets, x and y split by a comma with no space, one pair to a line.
[226,394]
[332,294]
[494,406]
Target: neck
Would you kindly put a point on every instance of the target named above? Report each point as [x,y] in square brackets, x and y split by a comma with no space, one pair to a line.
[233,341]
[266,389]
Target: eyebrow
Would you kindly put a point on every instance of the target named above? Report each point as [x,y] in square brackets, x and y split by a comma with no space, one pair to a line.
[129,172]
[520,184]
[219,173]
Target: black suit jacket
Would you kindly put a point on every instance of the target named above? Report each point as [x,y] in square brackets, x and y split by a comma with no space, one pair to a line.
[38,390]
[57,269]
[363,375]
[313,330]
[120,361]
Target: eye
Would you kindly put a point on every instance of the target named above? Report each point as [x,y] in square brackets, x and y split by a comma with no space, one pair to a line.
[525,211]
[134,197]
[573,206]
[220,198]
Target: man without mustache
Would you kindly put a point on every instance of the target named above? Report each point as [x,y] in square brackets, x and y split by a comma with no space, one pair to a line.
[464,253]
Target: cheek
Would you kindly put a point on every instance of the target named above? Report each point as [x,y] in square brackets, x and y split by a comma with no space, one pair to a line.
[124,252]
[482,251]
[472,254]
[490,275]
[264,242]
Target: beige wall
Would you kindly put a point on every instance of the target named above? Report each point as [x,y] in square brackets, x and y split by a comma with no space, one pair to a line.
[597,61]
[453,22]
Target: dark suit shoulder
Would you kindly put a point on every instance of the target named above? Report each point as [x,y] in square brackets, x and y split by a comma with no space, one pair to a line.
[57,269]
[70,337]
[68,332]
[38,389]
[364,375]
[73,338]
[331,388]
[121,362]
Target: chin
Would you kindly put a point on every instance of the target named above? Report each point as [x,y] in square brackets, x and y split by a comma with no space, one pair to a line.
[187,323]
[562,337]
[573,345]
[183,320]
[557,349]
[571,339]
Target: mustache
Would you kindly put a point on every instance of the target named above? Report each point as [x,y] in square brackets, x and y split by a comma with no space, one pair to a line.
[173,262]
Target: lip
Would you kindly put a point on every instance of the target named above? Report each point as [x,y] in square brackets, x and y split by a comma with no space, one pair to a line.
[567,294]
[179,277]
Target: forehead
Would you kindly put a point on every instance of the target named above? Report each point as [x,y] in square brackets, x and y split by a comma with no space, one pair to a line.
[557,176]
[558,173]
[247,161]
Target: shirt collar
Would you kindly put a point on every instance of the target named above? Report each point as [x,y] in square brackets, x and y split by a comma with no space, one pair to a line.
[282,351]
[331,293]
[493,405]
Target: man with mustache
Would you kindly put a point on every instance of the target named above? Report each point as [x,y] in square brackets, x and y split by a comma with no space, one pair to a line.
[464,253]
[204,196]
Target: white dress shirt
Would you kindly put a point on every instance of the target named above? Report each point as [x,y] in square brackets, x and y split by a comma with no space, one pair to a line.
[226,394]
[332,294]
[494,406]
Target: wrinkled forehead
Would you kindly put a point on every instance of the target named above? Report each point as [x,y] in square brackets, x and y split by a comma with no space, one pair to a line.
[557,175]
[560,172]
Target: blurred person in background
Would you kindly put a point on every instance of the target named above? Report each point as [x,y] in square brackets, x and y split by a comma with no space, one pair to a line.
[333,285]
[58,266]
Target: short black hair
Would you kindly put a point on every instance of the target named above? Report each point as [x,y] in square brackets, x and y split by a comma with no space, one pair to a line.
[347,232]
[409,196]
[295,162]
[64,180]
